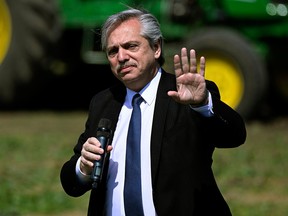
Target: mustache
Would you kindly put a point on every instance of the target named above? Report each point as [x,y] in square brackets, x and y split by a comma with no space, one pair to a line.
[124,65]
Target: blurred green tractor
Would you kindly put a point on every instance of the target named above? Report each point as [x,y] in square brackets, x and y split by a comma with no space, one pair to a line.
[244,42]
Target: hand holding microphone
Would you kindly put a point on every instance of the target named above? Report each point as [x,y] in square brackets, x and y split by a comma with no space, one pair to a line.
[94,151]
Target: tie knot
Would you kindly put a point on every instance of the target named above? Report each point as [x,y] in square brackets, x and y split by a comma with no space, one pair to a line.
[137,100]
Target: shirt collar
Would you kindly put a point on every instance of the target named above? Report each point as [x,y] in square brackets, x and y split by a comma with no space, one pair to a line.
[148,93]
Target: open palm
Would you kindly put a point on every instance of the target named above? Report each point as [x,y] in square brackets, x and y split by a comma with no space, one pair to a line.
[191,86]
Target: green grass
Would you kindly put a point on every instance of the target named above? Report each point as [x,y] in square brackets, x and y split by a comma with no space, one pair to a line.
[253,177]
[34,145]
[33,148]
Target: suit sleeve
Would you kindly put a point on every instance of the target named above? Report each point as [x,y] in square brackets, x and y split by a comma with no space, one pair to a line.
[104,104]
[226,128]
[71,183]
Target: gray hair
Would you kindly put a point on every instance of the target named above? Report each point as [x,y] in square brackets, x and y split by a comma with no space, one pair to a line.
[150,28]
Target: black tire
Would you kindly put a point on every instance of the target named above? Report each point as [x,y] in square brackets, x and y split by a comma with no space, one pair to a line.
[231,48]
[35,26]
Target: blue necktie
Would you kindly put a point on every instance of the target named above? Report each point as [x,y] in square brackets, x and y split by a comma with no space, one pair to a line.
[132,187]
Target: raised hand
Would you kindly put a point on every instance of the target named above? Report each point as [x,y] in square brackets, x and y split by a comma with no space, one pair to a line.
[191,86]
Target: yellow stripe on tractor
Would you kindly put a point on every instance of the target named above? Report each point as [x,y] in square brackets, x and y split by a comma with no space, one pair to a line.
[5,30]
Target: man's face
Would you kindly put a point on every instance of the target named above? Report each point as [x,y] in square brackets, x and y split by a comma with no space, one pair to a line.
[131,58]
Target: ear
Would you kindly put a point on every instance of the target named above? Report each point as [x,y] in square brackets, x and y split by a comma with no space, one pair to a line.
[157,50]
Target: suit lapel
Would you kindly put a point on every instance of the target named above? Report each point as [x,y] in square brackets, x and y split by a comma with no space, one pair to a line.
[167,82]
[113,109]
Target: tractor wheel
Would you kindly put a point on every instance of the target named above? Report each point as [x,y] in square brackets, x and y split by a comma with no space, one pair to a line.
[234,65]
[27,29]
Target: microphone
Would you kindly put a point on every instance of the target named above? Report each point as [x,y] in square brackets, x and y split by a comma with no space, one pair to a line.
[103,134]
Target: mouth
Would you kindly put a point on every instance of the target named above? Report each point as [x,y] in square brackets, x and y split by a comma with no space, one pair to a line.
[125,68]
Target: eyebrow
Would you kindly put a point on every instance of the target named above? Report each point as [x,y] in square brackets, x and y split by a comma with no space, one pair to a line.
[124,44]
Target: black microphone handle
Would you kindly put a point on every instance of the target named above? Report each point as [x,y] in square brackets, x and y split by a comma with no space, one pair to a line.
[98,165]
[103,134]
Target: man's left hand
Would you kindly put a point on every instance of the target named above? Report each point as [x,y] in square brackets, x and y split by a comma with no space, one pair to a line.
[191,85]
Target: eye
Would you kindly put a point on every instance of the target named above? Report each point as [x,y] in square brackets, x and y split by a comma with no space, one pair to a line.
[132,46]
[112,52]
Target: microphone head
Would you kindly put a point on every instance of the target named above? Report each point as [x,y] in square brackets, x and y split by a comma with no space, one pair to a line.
[104,127]
[105,123]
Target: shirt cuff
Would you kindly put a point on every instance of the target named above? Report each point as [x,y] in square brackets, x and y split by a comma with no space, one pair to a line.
[81,176]
[206,110]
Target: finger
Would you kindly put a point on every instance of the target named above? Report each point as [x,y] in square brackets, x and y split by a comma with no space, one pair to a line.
[202,66]
[174,95]
[184,60]
[93,141]
[109,148]
[92,146]
[177,66]
[88,152]
[86,162]
[86,166]
[193,61]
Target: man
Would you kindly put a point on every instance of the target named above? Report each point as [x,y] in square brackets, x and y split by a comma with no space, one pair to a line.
[183,120]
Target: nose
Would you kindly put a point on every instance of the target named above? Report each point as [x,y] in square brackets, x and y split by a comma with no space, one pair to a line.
[122,55]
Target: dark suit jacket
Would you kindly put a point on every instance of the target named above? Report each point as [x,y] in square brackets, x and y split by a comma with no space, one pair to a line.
[182,144]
